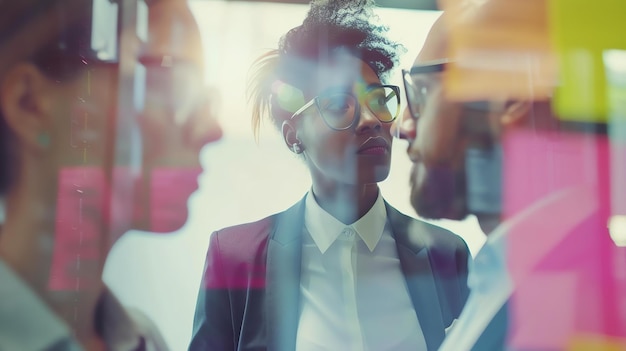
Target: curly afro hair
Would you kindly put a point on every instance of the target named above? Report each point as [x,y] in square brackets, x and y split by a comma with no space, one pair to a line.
[329,27]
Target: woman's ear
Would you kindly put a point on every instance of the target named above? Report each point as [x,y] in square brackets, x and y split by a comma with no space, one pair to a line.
[290,136]
[27,102]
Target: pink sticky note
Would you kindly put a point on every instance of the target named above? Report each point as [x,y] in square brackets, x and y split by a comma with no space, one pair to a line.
[558,196]
[77,233]
[169,193]
[542,313]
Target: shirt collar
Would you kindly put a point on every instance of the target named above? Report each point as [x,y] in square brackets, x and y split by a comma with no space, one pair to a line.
[325,229]
[27,323]
[489,264]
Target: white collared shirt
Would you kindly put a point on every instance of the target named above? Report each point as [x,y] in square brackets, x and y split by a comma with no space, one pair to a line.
[353,295]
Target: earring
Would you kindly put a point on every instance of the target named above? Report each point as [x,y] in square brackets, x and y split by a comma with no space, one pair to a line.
[43,139]
[297,148]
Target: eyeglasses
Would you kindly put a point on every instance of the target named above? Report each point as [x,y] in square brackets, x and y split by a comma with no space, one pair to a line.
[416,91]
[418,86]
[341,109]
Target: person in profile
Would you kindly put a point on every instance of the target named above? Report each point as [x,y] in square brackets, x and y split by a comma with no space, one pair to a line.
[548,275]
[91,132]
[341,269]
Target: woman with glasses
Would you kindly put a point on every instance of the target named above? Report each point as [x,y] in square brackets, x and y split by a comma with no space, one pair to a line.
[341,269]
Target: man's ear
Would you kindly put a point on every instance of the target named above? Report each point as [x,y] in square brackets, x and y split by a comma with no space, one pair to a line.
[290,136]
[27,102]
[514,113]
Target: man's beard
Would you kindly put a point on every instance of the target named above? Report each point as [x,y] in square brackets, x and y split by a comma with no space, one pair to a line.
[438,192]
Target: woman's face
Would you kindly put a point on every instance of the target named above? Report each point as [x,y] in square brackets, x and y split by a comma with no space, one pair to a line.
[81,144]
[178,118]
[358,155]
[153,170]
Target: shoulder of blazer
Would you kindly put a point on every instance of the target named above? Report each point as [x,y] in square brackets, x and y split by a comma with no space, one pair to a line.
[241,250]
[417,234]
[448,256]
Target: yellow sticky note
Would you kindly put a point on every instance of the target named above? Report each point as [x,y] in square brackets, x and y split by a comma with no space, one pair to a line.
[582,32]
[596,343]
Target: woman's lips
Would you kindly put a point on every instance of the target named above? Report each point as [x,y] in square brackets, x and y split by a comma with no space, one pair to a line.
[374,146]
[374,150]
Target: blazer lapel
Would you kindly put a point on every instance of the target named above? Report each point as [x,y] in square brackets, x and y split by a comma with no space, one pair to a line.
[283,278]
[419,274]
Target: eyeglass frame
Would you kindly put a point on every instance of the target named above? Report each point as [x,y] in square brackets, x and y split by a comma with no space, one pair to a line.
[357,110]
[435,66]
[474,111]
[429,67]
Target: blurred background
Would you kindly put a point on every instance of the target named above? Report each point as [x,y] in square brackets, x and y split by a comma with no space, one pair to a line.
[160,275]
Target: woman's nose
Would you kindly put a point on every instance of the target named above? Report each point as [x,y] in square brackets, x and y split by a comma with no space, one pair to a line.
[368,120]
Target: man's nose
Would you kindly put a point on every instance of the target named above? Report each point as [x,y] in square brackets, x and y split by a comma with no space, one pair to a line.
[404,127]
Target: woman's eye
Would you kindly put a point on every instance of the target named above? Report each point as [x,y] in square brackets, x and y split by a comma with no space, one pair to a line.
[336,105]
[377,101]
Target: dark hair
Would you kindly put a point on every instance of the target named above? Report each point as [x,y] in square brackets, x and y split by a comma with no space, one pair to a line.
[349,25]
[56,51]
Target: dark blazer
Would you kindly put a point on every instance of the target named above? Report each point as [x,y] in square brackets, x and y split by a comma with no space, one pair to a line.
[249,297]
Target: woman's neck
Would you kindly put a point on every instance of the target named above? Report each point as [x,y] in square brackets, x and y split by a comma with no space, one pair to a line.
[27,246]
[346,202]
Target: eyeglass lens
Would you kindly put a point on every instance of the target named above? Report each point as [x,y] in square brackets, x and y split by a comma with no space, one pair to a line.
[415,95]
[340,109]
